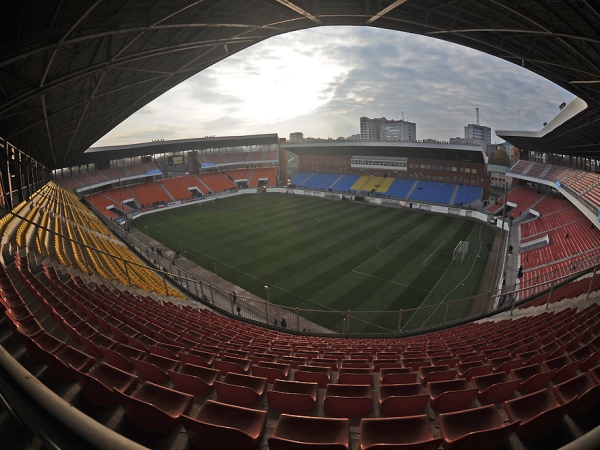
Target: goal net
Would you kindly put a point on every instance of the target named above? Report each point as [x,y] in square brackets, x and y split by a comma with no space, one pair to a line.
[460,251]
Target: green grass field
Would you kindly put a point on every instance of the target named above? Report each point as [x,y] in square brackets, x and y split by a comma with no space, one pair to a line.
[325,254]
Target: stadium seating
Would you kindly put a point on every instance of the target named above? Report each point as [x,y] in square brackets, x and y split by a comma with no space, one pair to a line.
[220,426]
[293,432]
[397,432]
[104,324]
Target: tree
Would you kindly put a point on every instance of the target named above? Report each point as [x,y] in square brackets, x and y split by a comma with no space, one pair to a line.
[500,157]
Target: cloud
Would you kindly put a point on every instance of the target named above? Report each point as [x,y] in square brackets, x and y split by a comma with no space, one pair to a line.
[320,81]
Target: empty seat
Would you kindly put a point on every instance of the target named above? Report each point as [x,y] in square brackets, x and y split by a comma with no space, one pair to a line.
[119,356]
[154,407]
[355,375]
[402,399]
[239,389]
[495,388]
[468,370]
[232,364]
[475,428]
[154,368]
[452,395]
[564,366]
[313,374]
[65,363]
[396,375]
[540,413]
[292,397]
[533,378]
[580,392]
[347,400]
[100,383]
[436,373]
[197,358]
[194,380]
[298,432]
[271,371]
[412,432]
[220,426]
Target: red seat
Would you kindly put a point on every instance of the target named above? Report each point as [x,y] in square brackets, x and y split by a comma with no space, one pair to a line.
[197,358]
[397,376]
[347,400]
[468,370]
[436,373]
[495,388]
[355,375]
[402,399]
[301,432]
[474,429]
[45,341]
[580,392]
[220,426]
[232,364]
[100,383]
[452,395]
[313,374]
[271,371]
[154,407]
[194,380]
[154,368]
[533,378]
[239,389]
[66,362]
[564,366]
[539,413]
[292,397]
[413,432]
[119,356]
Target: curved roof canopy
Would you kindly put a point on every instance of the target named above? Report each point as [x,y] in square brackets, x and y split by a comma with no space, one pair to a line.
[71,71]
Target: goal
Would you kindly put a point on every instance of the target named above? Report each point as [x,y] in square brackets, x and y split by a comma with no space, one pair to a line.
[460,251]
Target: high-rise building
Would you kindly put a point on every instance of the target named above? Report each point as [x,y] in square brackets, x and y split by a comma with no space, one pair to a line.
[296,137]
[479,132]
[382,129]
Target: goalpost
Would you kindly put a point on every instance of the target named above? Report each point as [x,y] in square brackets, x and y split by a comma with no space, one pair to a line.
[460,251]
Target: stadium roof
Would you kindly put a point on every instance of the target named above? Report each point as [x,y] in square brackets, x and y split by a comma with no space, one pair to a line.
[451,152]
[113,152]
[71,71]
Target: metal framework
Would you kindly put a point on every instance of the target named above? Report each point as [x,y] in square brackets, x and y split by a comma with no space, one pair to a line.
[71,71]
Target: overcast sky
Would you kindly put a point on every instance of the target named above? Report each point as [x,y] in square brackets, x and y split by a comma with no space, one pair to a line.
[321,81]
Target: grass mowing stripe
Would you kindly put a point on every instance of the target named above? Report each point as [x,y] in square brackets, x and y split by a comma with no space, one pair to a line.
[274,239]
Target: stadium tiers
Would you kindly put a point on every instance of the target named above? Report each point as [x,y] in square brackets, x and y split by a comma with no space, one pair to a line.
[399,188]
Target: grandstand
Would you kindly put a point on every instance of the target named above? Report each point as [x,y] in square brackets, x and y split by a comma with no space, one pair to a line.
[107,343]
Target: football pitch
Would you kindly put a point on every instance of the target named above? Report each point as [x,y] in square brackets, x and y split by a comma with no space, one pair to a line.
[326,254]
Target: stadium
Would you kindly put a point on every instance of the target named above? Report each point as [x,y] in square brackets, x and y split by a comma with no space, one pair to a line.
[198,293]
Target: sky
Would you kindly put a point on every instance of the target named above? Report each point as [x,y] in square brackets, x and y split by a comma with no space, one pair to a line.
[320,82]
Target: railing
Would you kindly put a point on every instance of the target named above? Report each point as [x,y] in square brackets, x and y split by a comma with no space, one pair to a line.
[394,323]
